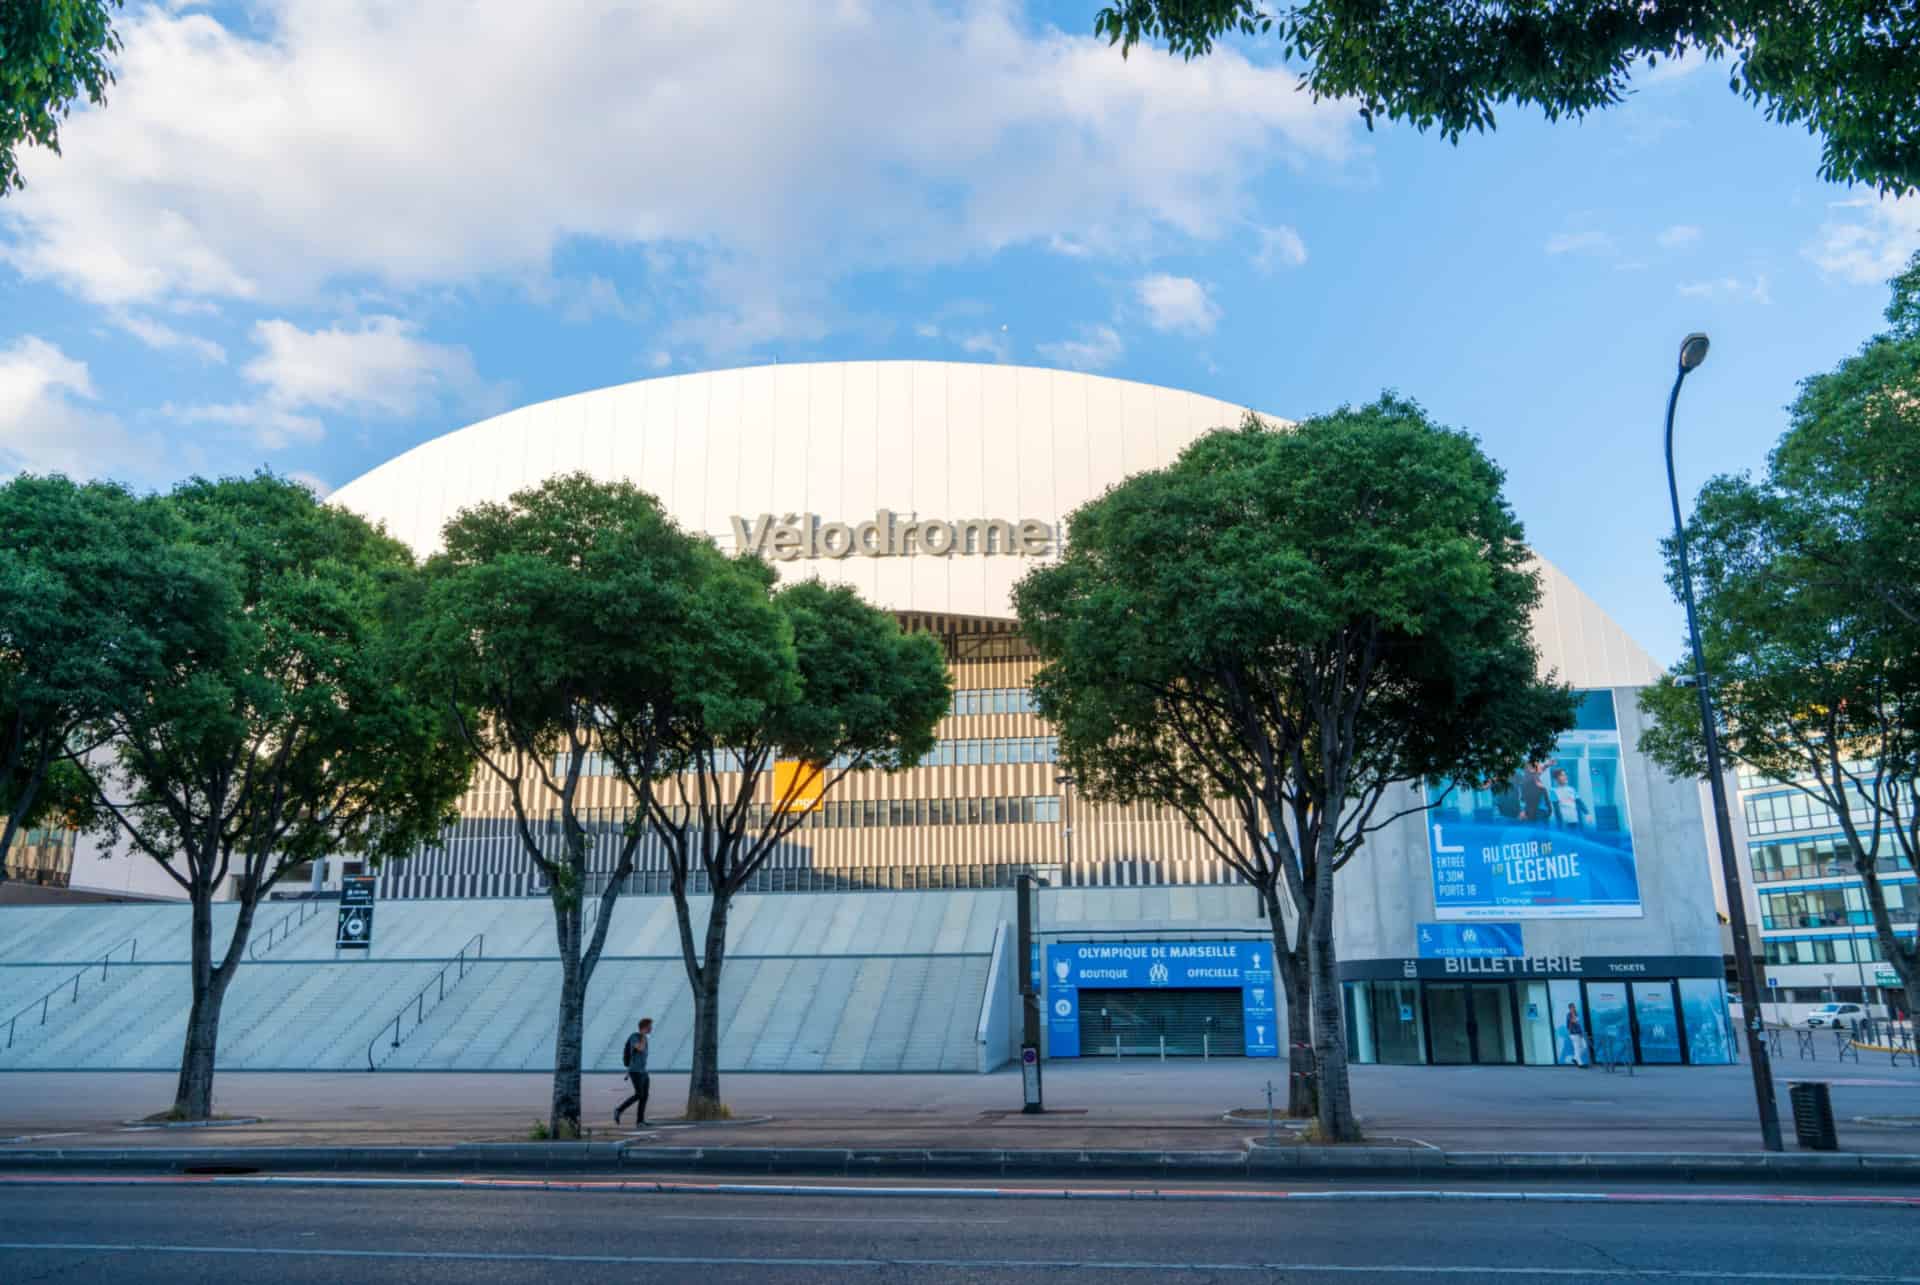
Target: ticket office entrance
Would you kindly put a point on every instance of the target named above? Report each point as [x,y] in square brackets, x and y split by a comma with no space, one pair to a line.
[1495,1023]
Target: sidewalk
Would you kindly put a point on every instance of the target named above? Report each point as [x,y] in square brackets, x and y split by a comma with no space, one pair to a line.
[1129,1106]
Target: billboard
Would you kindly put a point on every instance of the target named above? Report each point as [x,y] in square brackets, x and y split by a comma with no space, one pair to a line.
[1552,841]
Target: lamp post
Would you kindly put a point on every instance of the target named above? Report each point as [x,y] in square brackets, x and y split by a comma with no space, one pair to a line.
[1693,351]
[1066,822]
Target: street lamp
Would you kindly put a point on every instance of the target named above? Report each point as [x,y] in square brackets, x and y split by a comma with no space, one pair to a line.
[1693,351]
[1066,818]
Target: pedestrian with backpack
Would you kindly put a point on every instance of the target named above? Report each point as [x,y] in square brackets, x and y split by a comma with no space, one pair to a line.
[634,1055]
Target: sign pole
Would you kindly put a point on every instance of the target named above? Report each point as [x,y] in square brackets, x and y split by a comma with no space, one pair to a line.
[1033,1101]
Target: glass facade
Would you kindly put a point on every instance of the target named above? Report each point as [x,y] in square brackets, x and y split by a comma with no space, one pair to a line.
[1836,905]
[1565,1021]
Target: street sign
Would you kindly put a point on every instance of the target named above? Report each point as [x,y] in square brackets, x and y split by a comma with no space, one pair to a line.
[354,929]
[1030,1079]
[1773,983]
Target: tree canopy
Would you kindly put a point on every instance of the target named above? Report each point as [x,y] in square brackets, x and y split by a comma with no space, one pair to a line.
[52,52]
[1809,614]
[852,692]
[285,726]
[1278,630]
[573,617]
[1846,69]
[89,576]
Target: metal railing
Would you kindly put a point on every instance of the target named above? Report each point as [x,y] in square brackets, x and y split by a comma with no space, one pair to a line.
[418,1004]
[45,1001]
[284,929]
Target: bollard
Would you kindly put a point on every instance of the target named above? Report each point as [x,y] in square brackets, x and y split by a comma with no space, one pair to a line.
[1163,1048]
[1206,1051]
[1116,1046]
[1270,1137]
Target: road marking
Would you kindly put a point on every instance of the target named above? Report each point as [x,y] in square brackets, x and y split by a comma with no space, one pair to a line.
[956,1264]
[667,1188]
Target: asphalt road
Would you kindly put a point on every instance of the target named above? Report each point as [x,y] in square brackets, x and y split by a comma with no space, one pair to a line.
[192,1233]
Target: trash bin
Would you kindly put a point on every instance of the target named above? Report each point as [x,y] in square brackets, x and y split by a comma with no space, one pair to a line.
[1813,1115]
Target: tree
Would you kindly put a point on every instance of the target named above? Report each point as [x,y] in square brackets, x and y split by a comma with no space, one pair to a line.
[1275,636]
[1809,611]
[51,52]
[69,649]
[856,694]
[285,726]
[1846,68]
[572,616]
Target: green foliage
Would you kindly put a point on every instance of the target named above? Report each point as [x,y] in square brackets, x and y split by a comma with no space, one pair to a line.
[1808,589]
[1276,631]
[51,53]
[1333,608]
[87,575]
[287,725]
[1845,68]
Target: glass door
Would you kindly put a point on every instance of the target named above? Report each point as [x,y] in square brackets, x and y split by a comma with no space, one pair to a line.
[1493,1031]
[1447,1023]
[1536,1024]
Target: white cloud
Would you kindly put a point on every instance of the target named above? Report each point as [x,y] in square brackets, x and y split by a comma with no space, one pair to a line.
[313,482]
[1177,303]
[988,343]
[1756,290]
[1679,236]
[1667,70]
[1579,243]
[322,142]
[659,359]
[1871,244]
[379,368]
[46,425]
[1279,247]
[164,338]
[1097,348]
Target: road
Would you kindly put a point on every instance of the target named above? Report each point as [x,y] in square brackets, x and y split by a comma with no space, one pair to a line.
[166,1232]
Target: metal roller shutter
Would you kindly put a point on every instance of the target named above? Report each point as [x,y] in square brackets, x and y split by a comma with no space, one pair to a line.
[1190,1020]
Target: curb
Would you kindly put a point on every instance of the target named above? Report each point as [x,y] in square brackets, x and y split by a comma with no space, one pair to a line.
[1257,1162]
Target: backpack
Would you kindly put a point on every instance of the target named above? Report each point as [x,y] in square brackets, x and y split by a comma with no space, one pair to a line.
[626,1054]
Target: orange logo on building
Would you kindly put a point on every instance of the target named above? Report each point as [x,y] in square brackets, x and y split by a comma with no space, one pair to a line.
[798,785]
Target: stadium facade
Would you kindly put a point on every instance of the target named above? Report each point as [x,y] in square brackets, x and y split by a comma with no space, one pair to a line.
[1470,933]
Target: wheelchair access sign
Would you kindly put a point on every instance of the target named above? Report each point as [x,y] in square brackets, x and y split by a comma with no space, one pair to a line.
[354,930]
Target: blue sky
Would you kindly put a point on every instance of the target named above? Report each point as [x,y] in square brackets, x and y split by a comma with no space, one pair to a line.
[308,234]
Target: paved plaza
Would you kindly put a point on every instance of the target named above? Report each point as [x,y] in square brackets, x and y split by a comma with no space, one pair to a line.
[1173,1105]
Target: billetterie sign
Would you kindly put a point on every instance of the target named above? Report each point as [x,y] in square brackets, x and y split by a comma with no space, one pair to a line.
[890,535]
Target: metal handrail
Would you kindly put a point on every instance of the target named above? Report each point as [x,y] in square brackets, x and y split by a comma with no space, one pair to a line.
[45,1001]
[288,923]
[478,944]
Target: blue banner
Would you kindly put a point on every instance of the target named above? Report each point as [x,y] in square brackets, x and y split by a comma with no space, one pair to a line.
[1659,1025]
[1178,965]
[1470,941]
[1553,840]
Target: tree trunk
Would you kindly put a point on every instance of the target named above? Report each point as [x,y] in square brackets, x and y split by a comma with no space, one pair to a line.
[1335,1118]
[193,1092]
[1290,975]
[563,1120]
[703,1086]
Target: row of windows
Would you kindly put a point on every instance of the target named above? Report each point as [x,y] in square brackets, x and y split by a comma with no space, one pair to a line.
[1822,950]
[1836,907]
[968,752]
[874,814]
[1786,810]
[1813,857]
[992,700]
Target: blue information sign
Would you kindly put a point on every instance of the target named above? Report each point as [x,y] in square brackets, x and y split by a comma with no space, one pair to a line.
[1074,966]
[1478,940]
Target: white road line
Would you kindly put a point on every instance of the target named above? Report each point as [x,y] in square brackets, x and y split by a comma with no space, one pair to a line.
[1198,1194]
[954,1264]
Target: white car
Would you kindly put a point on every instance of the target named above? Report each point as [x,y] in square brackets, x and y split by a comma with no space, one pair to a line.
[1837,1015]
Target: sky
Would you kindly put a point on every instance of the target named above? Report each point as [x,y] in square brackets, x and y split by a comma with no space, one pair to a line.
[306,235]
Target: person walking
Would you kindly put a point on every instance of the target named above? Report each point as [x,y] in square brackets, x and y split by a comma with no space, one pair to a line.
[635,1057]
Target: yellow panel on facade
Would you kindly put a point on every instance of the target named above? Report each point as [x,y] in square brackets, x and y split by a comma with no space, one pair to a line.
[797,785]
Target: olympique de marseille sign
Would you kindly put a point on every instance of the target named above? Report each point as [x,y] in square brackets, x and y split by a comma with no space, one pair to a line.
[889,535]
